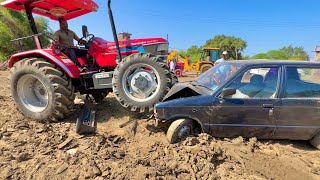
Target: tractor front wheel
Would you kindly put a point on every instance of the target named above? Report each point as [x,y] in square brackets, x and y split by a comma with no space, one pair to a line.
[41,90]
[140,81]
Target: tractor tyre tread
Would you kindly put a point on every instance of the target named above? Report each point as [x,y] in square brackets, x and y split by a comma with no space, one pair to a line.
[174,78]
[55,81]
[158,64]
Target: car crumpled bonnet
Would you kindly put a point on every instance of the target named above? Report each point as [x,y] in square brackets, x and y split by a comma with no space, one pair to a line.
[182,90]
[73,8]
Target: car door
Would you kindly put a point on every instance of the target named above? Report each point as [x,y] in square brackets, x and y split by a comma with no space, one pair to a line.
[299,116]
[249,112]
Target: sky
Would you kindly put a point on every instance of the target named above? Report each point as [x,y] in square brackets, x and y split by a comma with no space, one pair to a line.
[264,24]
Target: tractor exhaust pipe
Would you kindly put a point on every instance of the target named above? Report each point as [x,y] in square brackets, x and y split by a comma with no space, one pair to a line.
[114,31]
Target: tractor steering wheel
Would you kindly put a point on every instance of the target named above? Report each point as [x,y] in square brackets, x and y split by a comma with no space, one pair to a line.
[88,44]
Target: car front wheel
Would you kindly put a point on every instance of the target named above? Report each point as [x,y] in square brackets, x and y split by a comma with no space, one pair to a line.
[180,129]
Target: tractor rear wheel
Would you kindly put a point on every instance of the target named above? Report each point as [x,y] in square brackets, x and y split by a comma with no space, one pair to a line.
[140,81]
[41,90]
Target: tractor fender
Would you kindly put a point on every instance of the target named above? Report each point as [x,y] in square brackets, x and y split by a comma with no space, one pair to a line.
[62,61]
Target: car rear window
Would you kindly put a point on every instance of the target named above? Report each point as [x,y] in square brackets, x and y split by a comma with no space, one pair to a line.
[302,83]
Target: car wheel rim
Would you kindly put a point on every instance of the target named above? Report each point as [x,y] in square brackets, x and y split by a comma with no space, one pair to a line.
[141,82]
[32,93]
[185,132]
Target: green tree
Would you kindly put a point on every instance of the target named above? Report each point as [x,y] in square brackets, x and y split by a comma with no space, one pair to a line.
[15,25]
[260,56]
[277,54]
[295,53]
[245,57]
[182,53]
[232,44]
[194,52]
[285,53]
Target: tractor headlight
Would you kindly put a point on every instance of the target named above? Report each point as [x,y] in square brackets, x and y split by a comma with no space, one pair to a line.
[157,49]
[163,48]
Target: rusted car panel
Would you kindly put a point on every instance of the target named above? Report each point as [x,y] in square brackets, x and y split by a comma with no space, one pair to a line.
[277,100]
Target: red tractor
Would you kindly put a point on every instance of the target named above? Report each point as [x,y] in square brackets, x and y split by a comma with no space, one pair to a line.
[44,80]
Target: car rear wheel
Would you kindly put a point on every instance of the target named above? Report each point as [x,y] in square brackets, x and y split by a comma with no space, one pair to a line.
[315,141]
[180,129]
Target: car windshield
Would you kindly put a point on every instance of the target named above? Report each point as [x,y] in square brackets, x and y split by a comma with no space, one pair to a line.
[218,75]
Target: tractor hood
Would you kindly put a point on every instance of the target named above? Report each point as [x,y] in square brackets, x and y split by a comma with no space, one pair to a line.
[187,89]
[136,42]
[54,9]
[158,46]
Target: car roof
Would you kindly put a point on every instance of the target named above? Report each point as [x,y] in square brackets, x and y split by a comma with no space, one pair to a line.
[274,62]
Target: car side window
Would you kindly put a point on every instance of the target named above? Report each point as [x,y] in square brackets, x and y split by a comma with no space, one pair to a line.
[302,83]
[256,83]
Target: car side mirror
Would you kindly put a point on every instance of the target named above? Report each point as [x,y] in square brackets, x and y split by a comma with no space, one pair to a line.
[227,92]
[85,32]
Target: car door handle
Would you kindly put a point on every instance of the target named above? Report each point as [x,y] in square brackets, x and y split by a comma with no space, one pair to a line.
[267,106]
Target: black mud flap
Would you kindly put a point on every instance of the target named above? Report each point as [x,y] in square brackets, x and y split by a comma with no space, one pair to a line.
[86,123]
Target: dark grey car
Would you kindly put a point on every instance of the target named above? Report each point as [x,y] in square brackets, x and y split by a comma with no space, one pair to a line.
[263,99]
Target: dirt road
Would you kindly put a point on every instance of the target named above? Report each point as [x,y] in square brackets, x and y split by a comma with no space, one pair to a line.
[33,150]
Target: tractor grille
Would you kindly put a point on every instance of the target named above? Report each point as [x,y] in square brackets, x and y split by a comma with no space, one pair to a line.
[157,49]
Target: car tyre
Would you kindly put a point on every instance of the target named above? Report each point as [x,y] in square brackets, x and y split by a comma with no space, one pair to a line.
[315,141]
[181,129]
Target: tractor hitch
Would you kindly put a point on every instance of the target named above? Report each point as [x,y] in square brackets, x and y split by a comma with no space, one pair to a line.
[86,123]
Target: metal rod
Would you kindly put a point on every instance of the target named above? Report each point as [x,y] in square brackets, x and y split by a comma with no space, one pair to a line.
[114,31]
[32,24]
[26,37]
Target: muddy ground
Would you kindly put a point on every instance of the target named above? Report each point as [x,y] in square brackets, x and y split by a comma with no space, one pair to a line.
[33,150]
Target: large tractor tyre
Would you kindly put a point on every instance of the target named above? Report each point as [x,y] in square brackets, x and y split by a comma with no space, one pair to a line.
[41,90]
[205,68]
[140,81]
[174,78]
[315,141]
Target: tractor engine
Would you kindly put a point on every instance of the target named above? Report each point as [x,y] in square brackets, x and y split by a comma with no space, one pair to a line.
[104,52]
